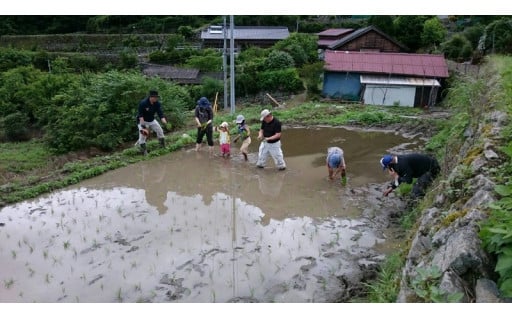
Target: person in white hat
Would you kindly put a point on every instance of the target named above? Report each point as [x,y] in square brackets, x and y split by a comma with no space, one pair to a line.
[224,140]
[244,133]
[270,137]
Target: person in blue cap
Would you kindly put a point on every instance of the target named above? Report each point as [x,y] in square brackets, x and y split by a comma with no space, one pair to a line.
[335,163]
[203,118]
[403,168]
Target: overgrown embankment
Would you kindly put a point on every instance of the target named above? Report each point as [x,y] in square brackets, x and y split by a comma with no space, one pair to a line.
[460,246]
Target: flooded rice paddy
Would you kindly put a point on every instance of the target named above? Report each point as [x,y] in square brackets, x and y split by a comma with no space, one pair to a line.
[194,227]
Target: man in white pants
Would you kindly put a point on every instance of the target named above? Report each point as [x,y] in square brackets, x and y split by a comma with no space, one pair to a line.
[270,137]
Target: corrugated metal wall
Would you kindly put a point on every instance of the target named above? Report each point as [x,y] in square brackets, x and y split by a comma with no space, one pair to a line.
[346,86]
[389,95]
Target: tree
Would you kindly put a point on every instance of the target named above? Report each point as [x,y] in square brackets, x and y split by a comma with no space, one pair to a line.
[473,34]
[383,23]
[433,33]
[457,48]
[408,30]
[497,37]
[278,60]
[302,47]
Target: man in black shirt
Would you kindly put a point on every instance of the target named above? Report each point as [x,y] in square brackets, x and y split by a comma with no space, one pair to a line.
[403,168]
[270,137]
[146,120]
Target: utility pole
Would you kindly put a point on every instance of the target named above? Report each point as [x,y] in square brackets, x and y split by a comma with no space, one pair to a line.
[225,65]
[232,63]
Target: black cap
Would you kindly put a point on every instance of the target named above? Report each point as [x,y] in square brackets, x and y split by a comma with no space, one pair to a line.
[153,94]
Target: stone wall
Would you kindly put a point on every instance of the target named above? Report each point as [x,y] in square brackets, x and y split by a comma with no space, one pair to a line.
[447,240]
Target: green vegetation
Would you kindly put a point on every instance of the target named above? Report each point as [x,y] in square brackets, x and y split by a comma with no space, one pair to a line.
[496,231]
[384,289]
[425,286]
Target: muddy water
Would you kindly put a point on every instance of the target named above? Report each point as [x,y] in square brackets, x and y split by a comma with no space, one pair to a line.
[194,227]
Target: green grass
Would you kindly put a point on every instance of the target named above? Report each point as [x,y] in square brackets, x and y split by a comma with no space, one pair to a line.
[385,288]
[23,156]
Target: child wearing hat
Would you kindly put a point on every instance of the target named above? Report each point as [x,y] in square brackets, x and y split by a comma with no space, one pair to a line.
[336,164]
[244,133]
[224,140]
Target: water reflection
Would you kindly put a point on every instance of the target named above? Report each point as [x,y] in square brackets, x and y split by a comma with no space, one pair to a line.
[190,227]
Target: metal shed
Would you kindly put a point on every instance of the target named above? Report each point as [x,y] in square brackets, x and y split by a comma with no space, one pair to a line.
[398,91]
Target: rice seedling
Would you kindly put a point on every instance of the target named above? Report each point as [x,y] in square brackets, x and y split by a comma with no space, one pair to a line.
[56,261]
[47,278]
[66,245]
[13,253]
[8,283]
[119,295]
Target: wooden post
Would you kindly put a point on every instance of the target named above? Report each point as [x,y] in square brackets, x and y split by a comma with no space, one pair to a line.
[273,100]
[215,106]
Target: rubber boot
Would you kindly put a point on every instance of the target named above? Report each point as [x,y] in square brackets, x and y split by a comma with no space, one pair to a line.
[143,149]
[161,141]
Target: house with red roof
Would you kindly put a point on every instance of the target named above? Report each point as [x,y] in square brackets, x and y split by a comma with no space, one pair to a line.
[380,78]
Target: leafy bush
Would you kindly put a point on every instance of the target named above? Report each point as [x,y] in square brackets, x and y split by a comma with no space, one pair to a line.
[10,58]
[286,80]
[457,48]
[14,127]
[209,63]
[101,111]
[278,60]
[210,87]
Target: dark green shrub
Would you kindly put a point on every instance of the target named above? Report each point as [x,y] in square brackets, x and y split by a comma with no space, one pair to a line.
[10,58]
[15,127]
[282,80]
[278,60]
